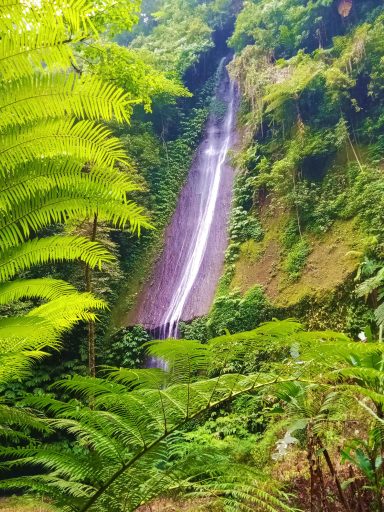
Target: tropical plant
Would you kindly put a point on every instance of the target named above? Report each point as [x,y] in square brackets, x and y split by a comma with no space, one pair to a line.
[372,287]
[367,456]
[57,161]
[129,427]
[313,410]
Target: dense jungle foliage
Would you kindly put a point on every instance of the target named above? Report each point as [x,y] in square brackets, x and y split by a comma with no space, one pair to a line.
[275,400]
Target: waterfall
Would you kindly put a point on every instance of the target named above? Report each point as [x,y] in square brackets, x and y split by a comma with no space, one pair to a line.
[186,275]
[211,168]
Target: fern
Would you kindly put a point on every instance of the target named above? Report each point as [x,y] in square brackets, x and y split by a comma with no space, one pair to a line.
[57,164]
[33,98]
[47,289]
[28,44]
[52,249]
[39,176]
[130,422]
[126,431]
[84,140]
[21,54]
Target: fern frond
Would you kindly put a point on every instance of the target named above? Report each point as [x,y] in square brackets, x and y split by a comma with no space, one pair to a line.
[242,493]
[43,325]
[51,486]
[83,140]
[47,289]
[128,215]
[22,342]
[53,207]
[29,50]
[66,311]
[126,431]
[351,353]
[43,175]
[26,339]
[51,249]
[74,14]
[21,334]
[371,284]
[277,335]
[27,44]
[44,96]
[137,378]
[184,358]
[12,418]
[379,314]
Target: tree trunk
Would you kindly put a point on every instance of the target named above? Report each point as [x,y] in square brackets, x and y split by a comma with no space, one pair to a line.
[91,323]
[312,469]
[355,490]
[334,476]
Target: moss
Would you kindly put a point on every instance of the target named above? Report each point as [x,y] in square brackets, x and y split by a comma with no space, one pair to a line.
[338,309]
[258,262]
[333,257]
[24,504]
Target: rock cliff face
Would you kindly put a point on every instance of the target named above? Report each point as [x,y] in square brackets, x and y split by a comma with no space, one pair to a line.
[185,277]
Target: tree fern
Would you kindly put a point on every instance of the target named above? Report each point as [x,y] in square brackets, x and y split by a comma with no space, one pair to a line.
[51,249]
[56,163]
[42,96]
[127,431]
[129,423]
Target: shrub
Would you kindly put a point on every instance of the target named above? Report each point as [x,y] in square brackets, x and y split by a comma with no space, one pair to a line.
[126,347]
[244,226]
[195,330]
[296,259]
[235,313]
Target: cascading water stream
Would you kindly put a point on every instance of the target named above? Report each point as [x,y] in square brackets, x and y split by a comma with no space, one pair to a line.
[215,157]
[186,275]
